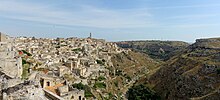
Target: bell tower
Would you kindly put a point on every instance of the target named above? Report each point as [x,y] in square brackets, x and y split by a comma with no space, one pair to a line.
[90,35]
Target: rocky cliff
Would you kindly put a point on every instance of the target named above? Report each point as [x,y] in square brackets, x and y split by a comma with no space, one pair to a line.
[162,50]
[192,74]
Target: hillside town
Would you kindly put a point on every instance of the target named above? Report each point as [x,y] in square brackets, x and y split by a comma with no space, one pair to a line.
[53,69]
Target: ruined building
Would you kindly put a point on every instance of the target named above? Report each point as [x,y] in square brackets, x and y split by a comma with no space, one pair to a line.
[10,63]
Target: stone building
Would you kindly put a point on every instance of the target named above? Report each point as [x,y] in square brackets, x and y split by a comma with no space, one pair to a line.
[10,63]
[64,92]
[3,37]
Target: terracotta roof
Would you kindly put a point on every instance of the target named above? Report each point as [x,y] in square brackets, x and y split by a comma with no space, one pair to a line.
[54,88]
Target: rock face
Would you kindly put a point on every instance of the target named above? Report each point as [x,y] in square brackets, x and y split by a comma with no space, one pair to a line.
[212,43]
[162,50]
[192,74]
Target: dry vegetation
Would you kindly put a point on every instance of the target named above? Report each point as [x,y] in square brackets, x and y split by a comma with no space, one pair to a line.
[128,68]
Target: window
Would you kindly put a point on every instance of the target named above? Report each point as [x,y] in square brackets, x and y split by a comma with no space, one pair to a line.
[48,83]
[79,97]
[72,97]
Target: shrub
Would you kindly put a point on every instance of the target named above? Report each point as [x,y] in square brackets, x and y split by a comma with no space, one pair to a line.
[25,71]
[24,61]
[77,50]
[218,71]
[86,88]
[101,78]
[79,86]
[142,92]
[100,62]
[99,85]
[128,77]
[118,72]
[116,83]
[26,53]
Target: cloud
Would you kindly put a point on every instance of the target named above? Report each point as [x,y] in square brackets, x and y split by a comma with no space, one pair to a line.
[194,16]
[184,26]
[186,6]
[86,16]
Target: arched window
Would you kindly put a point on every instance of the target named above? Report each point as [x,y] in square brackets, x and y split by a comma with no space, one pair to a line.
[72,97]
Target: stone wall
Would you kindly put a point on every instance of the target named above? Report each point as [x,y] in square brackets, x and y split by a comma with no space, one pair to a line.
[12,67]
[52,95]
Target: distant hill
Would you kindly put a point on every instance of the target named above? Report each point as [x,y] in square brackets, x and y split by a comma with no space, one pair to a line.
[161,50]
[192,74]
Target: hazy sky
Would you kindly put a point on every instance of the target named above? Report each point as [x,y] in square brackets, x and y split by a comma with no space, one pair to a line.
[113,20]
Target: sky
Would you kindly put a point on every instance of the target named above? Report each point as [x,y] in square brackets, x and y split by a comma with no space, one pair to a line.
[113,20]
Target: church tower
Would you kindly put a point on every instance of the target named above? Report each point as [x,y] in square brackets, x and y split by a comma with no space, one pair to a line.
[90,35]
